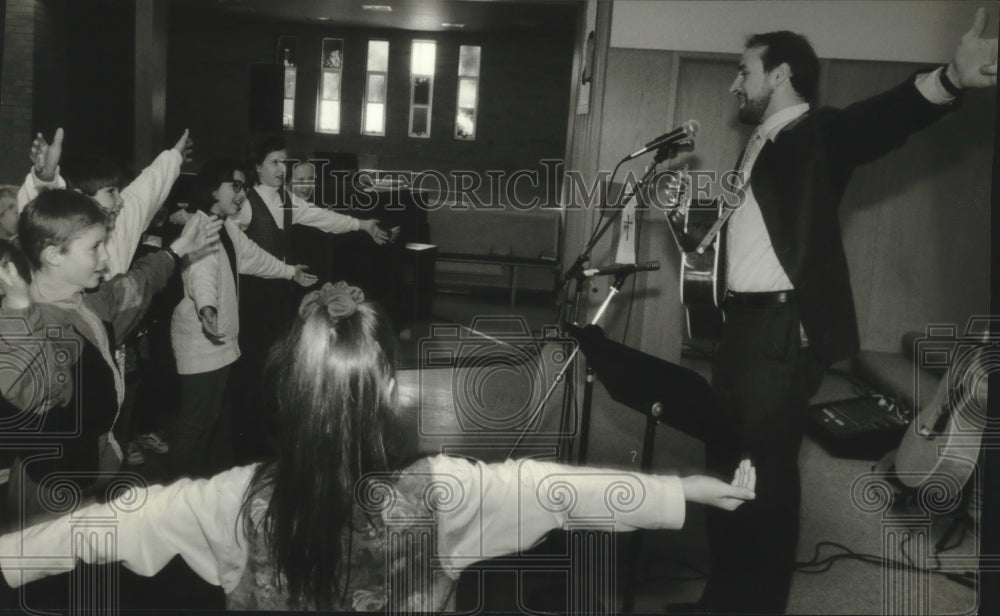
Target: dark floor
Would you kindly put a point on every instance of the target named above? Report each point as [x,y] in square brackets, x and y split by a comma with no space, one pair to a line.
[671,565]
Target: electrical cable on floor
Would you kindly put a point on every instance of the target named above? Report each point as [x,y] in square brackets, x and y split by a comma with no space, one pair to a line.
[968,579]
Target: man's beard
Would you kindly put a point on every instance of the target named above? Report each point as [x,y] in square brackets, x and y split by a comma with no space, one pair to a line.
[753,111]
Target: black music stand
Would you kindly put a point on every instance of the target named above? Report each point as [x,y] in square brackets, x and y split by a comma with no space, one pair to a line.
[660,390]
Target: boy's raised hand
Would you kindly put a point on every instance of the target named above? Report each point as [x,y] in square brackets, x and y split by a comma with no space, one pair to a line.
[13,287]
[45,156]
[185,146]
[198,237]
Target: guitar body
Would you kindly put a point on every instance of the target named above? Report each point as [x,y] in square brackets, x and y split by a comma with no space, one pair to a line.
[942,444]
[702,281]
[691,221]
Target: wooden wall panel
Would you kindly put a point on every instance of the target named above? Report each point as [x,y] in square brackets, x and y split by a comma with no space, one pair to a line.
[703,95]
[915,222]
[860,216]
[638,108]
[638,105]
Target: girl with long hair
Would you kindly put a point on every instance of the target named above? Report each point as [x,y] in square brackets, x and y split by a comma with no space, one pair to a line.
[336,521]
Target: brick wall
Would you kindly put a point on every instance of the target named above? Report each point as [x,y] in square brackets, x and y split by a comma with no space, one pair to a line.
[98,106]
[50,51]
[17,89]
[49,67]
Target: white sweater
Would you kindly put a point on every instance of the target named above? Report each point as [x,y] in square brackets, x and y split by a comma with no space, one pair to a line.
[487,510]
[208,281]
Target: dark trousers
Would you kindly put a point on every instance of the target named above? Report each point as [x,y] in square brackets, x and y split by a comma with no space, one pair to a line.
[763,379]
[267,308]
[201,441]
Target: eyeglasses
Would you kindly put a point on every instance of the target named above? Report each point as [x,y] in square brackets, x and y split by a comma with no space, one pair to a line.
[237,185]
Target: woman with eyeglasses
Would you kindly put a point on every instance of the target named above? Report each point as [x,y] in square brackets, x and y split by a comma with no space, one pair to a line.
[204,331]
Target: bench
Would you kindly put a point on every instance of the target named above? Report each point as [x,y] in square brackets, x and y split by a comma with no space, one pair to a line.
[508,238]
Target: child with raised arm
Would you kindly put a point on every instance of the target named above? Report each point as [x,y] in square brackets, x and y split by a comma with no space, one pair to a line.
[131,209]
[205,328]
[65,338]
[337,521]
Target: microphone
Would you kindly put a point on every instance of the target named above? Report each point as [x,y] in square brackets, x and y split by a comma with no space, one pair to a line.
[685,132]
[621,269]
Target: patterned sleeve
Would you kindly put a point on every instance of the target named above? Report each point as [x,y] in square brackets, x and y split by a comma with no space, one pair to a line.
[198,520]
[489,510]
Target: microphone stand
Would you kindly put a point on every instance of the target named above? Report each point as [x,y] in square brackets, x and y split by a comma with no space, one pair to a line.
[665,152]
[575,272]
[613,290]
[588,386]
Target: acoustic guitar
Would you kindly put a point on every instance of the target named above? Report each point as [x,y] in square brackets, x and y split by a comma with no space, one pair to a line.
[702,272]
[944,439]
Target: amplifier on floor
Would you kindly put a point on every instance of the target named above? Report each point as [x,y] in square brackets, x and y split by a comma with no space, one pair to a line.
[863,428]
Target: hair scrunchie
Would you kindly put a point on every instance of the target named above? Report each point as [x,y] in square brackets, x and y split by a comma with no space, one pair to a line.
[340,300]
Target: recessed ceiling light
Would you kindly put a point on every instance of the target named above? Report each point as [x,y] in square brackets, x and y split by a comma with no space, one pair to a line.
[381,8]
[450,25]
[324,18]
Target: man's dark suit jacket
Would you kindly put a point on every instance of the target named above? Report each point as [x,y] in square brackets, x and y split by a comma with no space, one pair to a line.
[799,180]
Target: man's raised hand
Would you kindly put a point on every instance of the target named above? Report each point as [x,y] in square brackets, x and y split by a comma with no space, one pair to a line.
[975,61]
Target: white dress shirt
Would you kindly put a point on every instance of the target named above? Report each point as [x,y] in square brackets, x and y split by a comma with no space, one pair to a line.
[752,265]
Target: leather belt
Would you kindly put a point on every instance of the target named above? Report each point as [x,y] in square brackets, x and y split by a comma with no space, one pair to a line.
[759,300]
